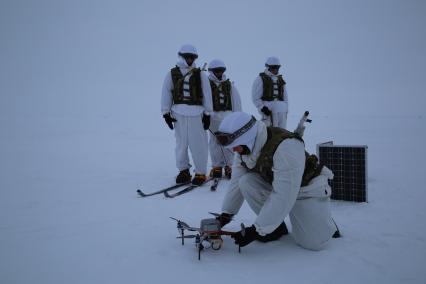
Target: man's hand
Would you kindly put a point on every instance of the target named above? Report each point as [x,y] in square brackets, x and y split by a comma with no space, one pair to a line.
[169,120]
[266,111]
[245,236]
[206,121]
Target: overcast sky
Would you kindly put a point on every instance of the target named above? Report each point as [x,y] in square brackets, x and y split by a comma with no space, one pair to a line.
[68,58]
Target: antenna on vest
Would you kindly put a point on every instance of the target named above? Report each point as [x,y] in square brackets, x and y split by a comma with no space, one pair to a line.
[204,67]
[300,129]
[305,117]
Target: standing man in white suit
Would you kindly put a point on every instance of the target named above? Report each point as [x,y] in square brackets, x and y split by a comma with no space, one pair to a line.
[186,105]
[226,100]
[269,94]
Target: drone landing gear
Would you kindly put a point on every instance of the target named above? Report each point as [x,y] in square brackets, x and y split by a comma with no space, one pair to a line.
[200,248]
[243,232]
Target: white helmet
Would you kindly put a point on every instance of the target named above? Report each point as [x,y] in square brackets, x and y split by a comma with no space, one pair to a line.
[237,128]
[216,63]
[188,49]
[272,61]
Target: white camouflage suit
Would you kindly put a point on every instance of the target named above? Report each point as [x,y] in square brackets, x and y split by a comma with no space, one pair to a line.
[189,131]
[308,207]
[278,108]
[219,155]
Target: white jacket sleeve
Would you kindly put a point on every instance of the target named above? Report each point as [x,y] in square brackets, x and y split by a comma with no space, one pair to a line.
[285,94]
[166,94]
[285,99]
[207,94]
[234,199]
[257,93]
[236,99]
[289,164]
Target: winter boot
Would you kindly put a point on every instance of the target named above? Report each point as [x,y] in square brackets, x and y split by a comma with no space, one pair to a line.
[275,235]
[199,179]
[183,177]
[337,234]
[228,172]
[216,172]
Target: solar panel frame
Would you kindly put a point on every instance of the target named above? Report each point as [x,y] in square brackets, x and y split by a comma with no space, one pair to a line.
[350,168]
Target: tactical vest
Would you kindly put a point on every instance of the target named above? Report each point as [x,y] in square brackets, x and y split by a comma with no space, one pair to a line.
[265,160]
[268,88]
[194,87]
[224,88]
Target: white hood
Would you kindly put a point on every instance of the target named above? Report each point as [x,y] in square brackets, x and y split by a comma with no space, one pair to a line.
[272,61]
[235,121]
[256,145]
[188,48]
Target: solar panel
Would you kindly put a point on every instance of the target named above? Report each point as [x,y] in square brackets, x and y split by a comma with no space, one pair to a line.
[349,165]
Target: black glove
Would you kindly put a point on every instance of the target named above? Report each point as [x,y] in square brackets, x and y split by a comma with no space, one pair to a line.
[169,120]
[224,218]
[266,111]
[245,236]
[206,121]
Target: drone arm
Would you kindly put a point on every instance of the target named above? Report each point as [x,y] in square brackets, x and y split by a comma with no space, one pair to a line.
[227,233]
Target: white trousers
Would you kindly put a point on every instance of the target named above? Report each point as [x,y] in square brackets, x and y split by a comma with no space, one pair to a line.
[189,133]
[312,224]
[277,119]
[219,156]
[256,191]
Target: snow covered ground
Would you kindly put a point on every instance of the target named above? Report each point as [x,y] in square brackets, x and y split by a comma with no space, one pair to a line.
[70,214]
[81,131]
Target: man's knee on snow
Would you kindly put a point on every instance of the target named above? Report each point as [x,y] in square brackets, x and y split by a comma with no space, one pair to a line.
[311,244]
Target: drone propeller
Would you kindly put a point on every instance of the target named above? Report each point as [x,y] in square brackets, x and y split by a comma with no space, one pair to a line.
[185,226]
[180,223]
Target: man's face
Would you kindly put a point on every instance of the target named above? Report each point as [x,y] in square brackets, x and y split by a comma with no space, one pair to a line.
[242,150]
[218,72]
[274,69]
[189,58]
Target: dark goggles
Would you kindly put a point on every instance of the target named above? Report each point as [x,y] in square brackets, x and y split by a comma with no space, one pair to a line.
[218,70]
[226,139]
[274,67]
[189,55]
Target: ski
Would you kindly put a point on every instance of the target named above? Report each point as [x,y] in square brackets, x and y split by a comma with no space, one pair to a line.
[215,184]
[142,194]
[185,190]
